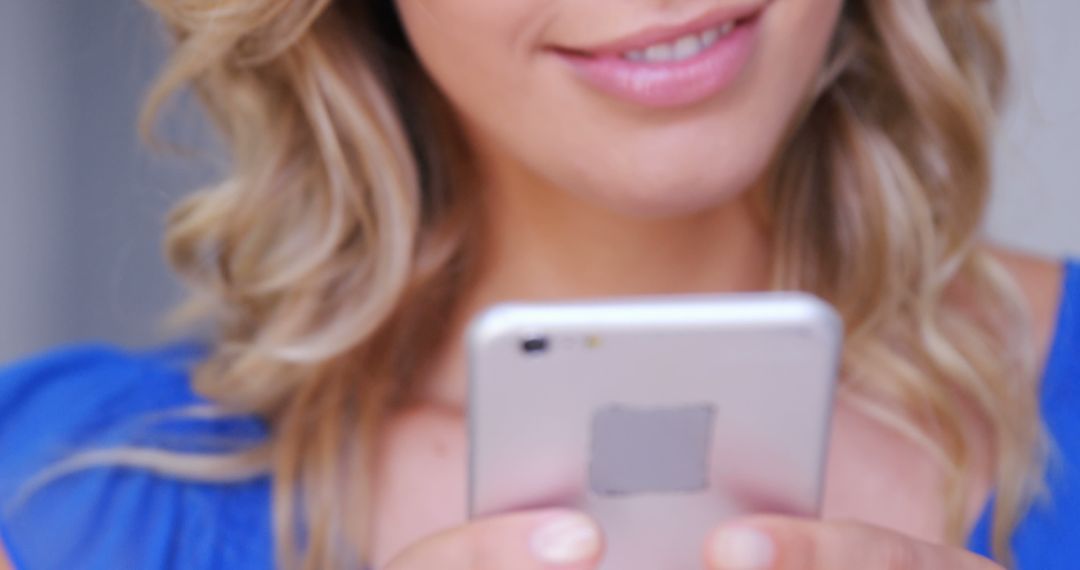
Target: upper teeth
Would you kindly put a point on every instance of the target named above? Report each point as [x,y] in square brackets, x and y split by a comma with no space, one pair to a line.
[682,48]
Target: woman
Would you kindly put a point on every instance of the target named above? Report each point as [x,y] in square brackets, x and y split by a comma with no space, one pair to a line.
[397,166]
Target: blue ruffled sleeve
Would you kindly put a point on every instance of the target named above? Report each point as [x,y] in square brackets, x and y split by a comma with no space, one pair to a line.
[92,398]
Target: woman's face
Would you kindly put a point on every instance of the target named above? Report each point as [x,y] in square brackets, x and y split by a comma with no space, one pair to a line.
[651,107]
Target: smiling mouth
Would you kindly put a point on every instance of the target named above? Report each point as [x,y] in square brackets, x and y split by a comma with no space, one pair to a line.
[671,66]
[681,48]
[664,44]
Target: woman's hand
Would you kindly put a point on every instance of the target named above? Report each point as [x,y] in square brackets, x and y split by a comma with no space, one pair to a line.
[778,543]
[537,540]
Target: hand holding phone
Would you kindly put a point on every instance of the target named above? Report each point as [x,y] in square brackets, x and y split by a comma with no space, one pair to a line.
[659,417]
[535,540]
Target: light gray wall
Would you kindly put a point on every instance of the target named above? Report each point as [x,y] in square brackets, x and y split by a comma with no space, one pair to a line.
[31,119]
[81,204]
[1037,205]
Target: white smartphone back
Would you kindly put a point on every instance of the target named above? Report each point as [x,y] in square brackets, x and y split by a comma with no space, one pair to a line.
[660,417]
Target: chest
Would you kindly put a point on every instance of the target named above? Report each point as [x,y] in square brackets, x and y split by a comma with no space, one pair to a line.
[873,476]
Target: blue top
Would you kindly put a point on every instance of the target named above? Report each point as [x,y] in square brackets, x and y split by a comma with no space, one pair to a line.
[113,517]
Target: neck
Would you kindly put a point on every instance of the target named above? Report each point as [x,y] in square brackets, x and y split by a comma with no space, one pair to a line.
[543,243]
[555,246]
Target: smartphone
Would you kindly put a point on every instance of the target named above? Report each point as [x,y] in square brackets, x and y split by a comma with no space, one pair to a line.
[661,417]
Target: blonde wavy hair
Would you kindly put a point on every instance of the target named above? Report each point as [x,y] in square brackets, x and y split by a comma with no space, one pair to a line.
[344,231]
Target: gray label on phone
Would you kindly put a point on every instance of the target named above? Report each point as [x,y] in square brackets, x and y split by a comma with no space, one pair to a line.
[650,450]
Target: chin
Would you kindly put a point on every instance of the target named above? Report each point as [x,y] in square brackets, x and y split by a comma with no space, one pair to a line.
[672,198]
[666,187]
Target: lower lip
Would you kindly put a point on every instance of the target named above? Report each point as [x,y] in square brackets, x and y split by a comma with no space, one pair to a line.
[673,83]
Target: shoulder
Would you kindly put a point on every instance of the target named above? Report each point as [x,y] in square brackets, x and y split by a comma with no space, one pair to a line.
[1052,288]
[1042,280]
[97,398]
[77,396]
[90,386]
[82,396]
[1053,291]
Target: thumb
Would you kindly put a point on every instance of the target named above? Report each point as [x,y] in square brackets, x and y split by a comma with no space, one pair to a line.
[534,540]
[778,543]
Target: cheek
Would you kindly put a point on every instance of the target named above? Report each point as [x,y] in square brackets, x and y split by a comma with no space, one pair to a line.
[698,158]
[473,49]
[801,36]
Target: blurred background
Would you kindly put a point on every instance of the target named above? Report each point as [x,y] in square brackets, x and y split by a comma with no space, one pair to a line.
[82,200]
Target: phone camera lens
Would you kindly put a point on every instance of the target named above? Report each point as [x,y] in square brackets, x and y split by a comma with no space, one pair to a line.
[534,345]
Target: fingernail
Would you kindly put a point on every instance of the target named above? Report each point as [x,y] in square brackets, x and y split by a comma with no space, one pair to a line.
[566,539]
[742,548]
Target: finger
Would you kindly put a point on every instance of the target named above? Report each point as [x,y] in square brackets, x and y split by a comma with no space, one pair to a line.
[778,543]
[543,540]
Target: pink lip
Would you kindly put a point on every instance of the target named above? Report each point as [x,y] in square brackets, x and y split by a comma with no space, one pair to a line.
[674,83]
